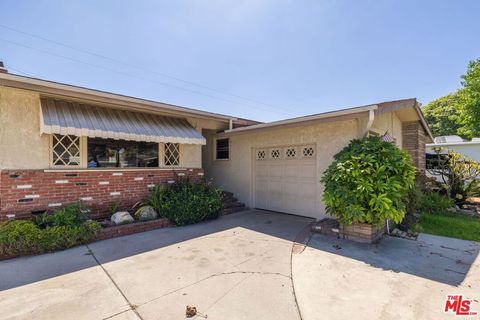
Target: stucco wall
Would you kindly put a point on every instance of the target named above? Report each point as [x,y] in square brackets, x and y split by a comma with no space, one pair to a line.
[21,145]
[383,123]
[190,155]
[235,175]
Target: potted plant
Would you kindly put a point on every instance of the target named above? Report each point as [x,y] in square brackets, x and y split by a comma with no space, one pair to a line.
[365,185]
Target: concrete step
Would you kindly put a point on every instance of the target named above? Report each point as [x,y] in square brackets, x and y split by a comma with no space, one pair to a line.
[233,204]
[233,210]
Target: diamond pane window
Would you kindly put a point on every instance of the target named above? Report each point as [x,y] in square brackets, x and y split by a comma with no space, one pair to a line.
[290,153]
[66,150]
[172,154]
[308,152]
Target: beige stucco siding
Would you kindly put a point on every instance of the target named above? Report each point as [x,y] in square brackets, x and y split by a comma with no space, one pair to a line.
[21,145]
[236,175]
[391,123]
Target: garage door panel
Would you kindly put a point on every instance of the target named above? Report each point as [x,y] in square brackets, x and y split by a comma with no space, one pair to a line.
[288,185]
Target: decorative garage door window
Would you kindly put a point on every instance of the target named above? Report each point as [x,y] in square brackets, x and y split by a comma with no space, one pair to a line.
[308,152]
[290,152]
[65,150]
[275,153]
[261,154]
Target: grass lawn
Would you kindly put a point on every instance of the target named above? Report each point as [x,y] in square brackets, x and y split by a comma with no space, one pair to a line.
[449,225]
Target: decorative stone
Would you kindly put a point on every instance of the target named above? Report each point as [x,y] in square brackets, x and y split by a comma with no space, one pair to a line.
[122,217]
[146,213]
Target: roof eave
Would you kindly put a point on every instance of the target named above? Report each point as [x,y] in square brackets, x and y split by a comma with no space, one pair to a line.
[70,91]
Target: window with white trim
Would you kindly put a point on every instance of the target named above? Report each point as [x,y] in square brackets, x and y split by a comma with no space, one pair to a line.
[222,149]
[172,154]
[65,150]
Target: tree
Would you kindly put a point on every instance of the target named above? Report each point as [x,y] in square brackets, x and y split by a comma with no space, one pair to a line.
[471,101]
[444,115]
[458,113]
[458,174]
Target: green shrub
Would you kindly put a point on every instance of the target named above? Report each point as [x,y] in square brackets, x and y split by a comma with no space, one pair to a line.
[155,200]
[434,203]
[63,229]
[413,200]
[185,202]
[72,215]
[367,182]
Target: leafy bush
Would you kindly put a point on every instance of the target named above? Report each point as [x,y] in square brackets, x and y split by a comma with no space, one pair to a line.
[155,200]
[458,174]
[63,229]
[367,182]
[72,215]
[413,200]
[186,202]
[434,203]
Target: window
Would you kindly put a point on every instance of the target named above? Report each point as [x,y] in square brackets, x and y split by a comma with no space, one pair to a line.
[222,151]
[172,154]
[261,154]
[65,150]
[308,152]
[110,153]
[275,153]
[291,153]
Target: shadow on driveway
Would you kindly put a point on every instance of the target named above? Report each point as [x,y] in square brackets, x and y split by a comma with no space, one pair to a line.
[440,259]
[21,271]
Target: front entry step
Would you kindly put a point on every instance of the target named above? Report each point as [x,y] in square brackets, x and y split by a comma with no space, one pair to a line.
[231,204]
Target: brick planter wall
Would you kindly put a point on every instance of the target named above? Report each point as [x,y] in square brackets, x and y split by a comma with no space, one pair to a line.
[23,192]
[362,232]
[126,229]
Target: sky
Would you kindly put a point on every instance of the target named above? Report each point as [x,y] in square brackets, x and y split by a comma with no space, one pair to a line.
[264,60]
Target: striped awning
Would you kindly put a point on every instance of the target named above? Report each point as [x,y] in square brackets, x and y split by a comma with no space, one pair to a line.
[64,117]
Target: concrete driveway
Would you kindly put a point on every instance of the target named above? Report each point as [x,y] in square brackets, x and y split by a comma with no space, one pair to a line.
[242,266]
[236,267]
[395,279]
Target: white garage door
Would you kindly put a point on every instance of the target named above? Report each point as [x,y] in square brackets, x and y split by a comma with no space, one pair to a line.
[286,180]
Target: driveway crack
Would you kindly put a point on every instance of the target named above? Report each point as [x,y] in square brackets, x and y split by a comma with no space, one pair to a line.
[131,305]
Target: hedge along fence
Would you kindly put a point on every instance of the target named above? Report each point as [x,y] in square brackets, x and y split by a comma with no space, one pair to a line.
[367,182]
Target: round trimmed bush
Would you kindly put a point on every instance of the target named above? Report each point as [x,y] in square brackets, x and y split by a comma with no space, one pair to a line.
[367,182]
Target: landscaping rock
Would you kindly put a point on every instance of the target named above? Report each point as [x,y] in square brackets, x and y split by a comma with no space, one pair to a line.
[146,213]
[122,217]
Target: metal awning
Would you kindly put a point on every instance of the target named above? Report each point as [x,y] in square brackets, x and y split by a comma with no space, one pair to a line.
[64,117]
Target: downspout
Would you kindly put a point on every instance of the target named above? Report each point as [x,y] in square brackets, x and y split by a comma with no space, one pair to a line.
[230,124]
[371,117]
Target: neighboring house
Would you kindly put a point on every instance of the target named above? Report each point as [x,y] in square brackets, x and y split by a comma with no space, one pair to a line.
[444,143]
[61,143]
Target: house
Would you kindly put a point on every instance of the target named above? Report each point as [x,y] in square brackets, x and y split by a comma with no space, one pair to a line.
[444,143]
[61,143]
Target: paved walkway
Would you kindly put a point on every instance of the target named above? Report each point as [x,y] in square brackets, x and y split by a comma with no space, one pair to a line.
[236,267]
